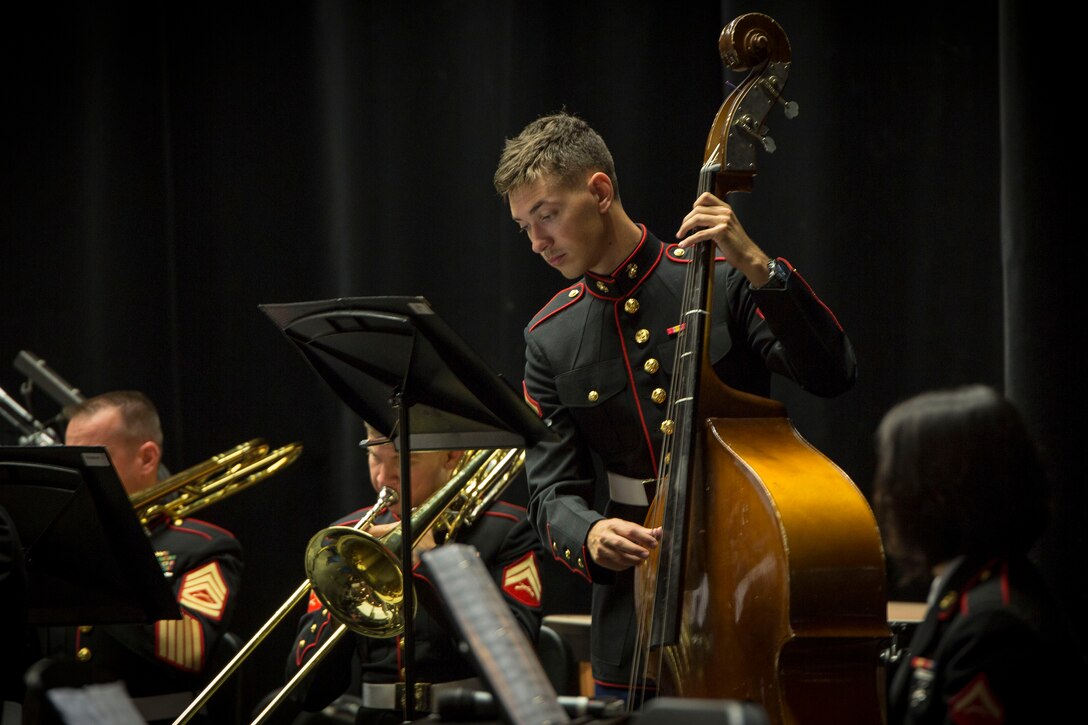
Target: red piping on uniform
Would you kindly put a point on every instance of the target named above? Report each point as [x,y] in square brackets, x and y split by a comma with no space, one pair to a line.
[797,274]
[564,306]
[1005,582]
[303,651]
[585,557]
[501,515]
[531,400]
[634,390]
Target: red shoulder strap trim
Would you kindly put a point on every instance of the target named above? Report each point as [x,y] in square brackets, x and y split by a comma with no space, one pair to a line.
[572,293]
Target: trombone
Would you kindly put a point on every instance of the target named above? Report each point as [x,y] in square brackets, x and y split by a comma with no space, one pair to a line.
[359,578]
[213,480]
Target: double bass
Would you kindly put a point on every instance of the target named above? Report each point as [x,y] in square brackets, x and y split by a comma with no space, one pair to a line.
[769,583]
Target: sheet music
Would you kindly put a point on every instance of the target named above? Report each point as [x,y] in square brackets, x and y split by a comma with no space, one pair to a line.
[504,655]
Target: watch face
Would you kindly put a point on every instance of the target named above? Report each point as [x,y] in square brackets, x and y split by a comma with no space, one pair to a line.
[774,275]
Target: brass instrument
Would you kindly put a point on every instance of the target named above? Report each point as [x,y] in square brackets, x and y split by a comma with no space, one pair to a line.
[213,480]
[386,498]
[359,578]
[362,575]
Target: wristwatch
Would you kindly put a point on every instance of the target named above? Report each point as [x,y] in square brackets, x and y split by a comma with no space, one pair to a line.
[775,275]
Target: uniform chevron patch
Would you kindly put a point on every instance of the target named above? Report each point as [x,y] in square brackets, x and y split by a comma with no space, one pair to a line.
[521,580]
[205,591]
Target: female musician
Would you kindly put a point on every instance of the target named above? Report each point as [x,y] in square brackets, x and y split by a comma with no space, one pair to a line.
[962,497]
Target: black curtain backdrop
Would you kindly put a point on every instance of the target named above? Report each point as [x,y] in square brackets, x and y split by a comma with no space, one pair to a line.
[170,166]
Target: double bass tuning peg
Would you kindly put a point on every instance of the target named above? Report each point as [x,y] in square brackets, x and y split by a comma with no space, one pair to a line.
[744,123]
[770,86]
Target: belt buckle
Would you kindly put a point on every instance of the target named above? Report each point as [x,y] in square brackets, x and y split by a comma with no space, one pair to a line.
[422,699]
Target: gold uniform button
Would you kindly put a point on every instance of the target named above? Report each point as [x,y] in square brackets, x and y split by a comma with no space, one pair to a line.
[651,366]
[566,553]
[555,546]
[313,628]
[632,271]
[658,396]
[86,629]
[948,600]
[667,427]
[630,306]
[580,565]
[602,286]
[302,643]
[593,396]
[642,336]
[680,252]
[84,654]
[572,293]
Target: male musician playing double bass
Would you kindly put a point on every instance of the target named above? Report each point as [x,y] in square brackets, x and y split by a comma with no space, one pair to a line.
[597,356]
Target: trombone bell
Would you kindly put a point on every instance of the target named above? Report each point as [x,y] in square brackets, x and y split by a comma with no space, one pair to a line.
[359,578]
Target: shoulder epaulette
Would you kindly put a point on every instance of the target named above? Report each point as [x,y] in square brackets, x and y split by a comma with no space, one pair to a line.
[200,526]
[562,300]
[676,253]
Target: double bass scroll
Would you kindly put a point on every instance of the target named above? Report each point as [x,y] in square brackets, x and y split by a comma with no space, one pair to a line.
[769,584]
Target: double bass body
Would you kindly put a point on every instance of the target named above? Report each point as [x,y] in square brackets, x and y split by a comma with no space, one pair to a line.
[783,601]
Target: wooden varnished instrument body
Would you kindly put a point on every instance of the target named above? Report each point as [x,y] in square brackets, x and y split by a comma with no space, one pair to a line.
[769,585]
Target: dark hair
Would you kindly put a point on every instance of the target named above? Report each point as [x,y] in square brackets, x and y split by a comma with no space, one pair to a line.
[560,146]
[138,413]
[957,473]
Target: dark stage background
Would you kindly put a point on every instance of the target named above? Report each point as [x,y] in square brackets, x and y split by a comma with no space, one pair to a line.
[169,168]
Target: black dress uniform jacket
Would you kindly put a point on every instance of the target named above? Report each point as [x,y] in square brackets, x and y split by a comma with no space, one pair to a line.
[994,647]
[508,546]
[204,565]
[21,648]
[599,358]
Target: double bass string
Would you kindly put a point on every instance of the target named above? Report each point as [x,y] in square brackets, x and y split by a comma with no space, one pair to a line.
[653,581]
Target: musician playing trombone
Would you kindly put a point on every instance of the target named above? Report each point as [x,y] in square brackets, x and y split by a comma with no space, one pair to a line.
[162,664]
[506,544]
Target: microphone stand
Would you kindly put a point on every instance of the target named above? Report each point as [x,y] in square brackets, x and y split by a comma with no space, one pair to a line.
[37,371]
[32,431]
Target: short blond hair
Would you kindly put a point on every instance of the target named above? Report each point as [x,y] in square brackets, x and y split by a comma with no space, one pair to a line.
[560,148]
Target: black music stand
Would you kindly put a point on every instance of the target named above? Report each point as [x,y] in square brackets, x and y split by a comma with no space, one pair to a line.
[88,560]
[504,656]
[386,356]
